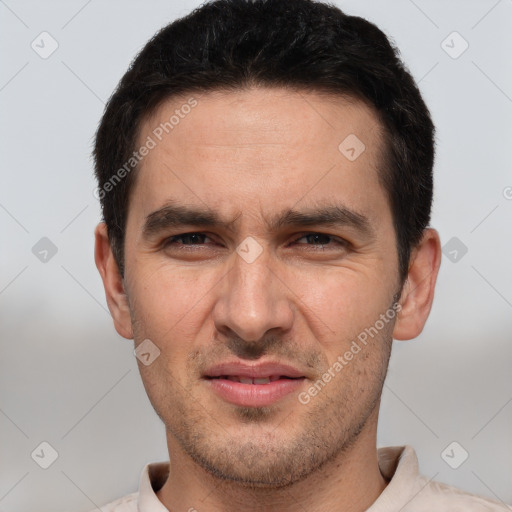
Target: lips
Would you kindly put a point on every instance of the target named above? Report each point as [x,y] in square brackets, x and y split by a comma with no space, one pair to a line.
[263,370]
[254,385]
[249,380]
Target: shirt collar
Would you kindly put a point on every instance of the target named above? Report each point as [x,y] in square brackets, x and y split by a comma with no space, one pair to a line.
[152,479]
[399,465]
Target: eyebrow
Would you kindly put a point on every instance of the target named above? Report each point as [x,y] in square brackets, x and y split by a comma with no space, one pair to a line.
[173,215]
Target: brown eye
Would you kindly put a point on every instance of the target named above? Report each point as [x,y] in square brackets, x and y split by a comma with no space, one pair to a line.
[320,240]
[187,239]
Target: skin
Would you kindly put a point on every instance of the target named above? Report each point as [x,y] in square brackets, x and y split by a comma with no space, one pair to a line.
[248,156]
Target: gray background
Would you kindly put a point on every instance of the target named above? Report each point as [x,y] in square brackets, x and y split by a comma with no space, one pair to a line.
[66,376]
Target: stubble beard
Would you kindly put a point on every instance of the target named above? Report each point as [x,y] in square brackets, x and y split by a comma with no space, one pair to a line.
[276,454]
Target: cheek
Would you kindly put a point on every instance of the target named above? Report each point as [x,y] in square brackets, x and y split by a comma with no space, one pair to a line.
[342,302]
[171,302]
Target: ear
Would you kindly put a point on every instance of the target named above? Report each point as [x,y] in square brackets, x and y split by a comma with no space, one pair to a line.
[117,299]
[418,291]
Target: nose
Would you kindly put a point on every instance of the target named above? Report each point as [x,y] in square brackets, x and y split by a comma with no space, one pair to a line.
[252,300]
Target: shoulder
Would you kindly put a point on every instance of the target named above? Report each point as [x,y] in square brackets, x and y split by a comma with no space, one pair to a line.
[409,491]
[431,495]
[127,503]
[152,478]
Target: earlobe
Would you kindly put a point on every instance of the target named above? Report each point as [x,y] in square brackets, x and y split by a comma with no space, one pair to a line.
[115,294]
[418,291]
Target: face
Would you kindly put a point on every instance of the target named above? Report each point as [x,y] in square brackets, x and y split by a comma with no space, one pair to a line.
[276,251]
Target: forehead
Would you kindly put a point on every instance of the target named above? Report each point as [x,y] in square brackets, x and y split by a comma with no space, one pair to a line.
[260,149]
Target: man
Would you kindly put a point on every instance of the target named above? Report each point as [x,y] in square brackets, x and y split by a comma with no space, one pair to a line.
[265,176]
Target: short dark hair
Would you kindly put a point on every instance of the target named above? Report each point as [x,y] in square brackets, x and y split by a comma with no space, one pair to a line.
[300,45]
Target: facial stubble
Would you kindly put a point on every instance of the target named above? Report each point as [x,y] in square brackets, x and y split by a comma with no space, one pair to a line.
[278,445]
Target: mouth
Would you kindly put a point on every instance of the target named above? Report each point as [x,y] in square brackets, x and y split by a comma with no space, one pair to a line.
[255,380]
[257,385]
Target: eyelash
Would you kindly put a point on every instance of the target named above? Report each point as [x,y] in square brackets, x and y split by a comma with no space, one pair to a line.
[339,241]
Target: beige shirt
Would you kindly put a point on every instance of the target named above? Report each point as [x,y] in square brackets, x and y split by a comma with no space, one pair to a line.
[407,491]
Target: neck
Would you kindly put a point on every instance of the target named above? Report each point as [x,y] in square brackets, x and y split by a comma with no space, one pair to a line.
[350,482]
